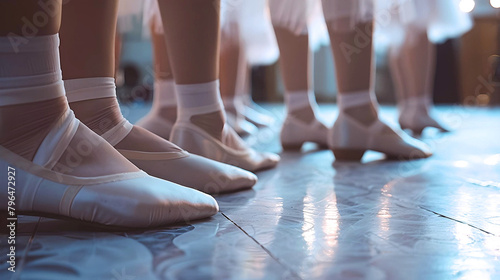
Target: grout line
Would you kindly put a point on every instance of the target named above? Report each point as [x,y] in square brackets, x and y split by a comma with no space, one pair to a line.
[26,250]
[458,221]
[262,246]
[452,219]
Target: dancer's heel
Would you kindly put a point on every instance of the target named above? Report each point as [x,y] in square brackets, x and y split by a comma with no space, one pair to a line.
[295,133]
[350,139]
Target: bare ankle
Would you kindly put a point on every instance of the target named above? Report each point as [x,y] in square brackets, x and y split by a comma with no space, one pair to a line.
[305,114]
[212,123]
[23,127]
[100,115]
[365,114]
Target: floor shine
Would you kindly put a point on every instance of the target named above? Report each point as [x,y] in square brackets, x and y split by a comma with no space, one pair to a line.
[310,218]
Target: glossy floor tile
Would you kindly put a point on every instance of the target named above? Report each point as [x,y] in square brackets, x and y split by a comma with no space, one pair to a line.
[311,218]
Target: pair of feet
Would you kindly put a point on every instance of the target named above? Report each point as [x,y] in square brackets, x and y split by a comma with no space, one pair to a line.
[209,136]
[354,133]
[75,173]
[245,117]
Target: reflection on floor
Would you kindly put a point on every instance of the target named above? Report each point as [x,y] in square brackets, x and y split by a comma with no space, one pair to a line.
[437,218]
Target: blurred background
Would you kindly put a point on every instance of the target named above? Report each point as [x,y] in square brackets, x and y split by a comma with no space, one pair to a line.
[467,68]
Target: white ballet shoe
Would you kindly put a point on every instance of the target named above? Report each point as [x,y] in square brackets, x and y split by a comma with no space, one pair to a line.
[258,118]
[159,126]
[179,166]
[132,199]
[295,133]
[349,139]
[231,150]
[241,125]
[417,119]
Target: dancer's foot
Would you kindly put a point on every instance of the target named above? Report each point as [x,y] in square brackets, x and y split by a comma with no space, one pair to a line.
[254,113]
[234,115]
[58,167]
[240,124]
[301,124]
[295,132]
[76,174]
[151,153]
[358,129]
[415,116]
[201,129]
[163,113]
[230,149]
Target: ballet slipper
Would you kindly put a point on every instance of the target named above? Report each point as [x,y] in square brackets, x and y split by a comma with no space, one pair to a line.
[350,139]
[257,118]
[295,133]
[159,126]
[162,115]
[417,119]
[231,149]
[181,167]
[241,125]
[43,187]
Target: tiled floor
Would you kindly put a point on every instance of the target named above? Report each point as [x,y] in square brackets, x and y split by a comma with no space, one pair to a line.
[437,218]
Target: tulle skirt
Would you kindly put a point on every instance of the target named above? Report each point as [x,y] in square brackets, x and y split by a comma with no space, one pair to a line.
[441,19]
[254,29]
[301,17]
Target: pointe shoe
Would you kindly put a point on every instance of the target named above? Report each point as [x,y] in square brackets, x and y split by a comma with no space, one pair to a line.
[231,150]
[179,166]
[256,117]
[417,120]
[295,133]
[350,139]
[241,125]
[131,200]
[157,125]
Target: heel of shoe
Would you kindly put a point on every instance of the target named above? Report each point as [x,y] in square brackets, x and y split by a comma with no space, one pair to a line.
[348,154]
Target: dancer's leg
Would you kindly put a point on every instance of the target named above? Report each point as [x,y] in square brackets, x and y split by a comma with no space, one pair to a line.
[163,113]
[193,50]
[88,34]
[73,173]
[296,66]
[230,54]
[413,68]
[354,65]
[22,132]
[253,113]
[232,80]
[39,111]
[93,98]
[358,128]
[301,124]
[397,64]
[192,36]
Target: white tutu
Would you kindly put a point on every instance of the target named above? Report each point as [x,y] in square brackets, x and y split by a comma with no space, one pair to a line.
[128,12]
[257,32]
[301,17]
[442,19]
